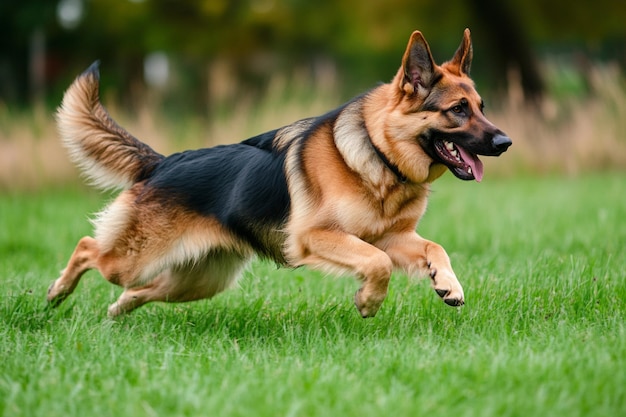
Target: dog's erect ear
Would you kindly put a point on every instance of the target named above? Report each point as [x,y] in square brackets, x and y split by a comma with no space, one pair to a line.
[463,56]
[418,65]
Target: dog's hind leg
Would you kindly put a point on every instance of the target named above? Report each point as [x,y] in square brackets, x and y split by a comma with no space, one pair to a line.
[89,255]
[84,258]
[190,282]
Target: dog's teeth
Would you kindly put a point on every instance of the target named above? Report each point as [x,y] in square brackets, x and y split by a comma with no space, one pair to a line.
[455,153]
[449,145]
[469,171]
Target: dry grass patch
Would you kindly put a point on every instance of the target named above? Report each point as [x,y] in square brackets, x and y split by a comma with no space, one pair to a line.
[565,135]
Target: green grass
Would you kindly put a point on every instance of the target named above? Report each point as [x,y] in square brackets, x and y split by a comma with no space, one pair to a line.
[543,331]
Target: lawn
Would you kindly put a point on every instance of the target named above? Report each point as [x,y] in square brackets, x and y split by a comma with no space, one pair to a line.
[543,331]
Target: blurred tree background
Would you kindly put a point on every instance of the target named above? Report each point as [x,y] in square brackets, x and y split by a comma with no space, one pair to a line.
[194,51]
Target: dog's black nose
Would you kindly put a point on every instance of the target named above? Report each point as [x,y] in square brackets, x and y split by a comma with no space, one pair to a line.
[501,142]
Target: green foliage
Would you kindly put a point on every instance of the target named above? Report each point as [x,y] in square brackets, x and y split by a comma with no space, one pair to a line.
[263,37]
[542,333]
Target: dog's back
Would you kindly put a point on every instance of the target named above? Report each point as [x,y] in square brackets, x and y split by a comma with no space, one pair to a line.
[242,185]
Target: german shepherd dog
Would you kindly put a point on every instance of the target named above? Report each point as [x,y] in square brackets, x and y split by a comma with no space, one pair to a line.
[341,193]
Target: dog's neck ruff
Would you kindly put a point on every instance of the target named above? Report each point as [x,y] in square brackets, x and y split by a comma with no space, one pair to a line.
[357,148]
[392,167]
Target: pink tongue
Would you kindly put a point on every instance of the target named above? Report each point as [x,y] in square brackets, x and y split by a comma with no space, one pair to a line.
[473,161]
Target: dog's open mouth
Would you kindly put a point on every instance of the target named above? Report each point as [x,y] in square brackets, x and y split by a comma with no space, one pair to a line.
[465,165]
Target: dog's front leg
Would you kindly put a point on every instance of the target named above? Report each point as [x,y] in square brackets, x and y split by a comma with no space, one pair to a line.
[333,250]
[416,255]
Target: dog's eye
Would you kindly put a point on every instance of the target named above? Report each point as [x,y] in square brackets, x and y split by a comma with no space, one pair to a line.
[461,108]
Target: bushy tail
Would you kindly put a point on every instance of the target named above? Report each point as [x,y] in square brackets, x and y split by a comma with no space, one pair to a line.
[108,155]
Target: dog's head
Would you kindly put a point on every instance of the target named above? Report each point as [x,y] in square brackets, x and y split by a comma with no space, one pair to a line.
[442,111]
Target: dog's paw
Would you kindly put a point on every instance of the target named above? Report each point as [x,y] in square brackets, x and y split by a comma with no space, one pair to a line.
[56,294]
[447,286]
[367,306]
[115,310]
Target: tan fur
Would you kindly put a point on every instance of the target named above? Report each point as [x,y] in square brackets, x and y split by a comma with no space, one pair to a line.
[161,252]
[350,212]
[105,152]
[326,233]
